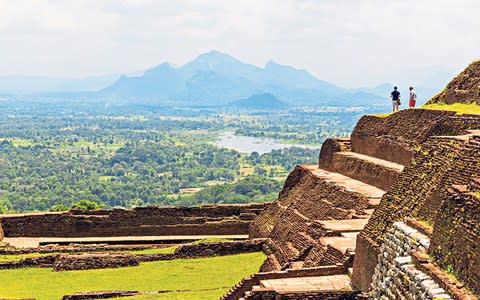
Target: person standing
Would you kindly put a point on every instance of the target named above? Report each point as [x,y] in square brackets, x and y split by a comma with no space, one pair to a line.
[413,98]
[395,95]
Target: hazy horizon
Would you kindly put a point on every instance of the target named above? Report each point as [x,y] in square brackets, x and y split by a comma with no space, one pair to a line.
[350,43]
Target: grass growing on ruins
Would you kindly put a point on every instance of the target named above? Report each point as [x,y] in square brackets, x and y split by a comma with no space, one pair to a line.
[381,115]
[459,108]
[16,257]
[212,240]
[203,278]
[168,250]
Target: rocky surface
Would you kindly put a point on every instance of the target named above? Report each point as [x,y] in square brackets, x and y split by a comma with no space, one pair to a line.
[217,249]
[396,276]
[465,88]
[419,192]
[94,261]
[456,234]
[100,295]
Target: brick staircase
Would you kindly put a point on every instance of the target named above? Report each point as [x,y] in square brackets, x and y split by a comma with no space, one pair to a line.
[316,219]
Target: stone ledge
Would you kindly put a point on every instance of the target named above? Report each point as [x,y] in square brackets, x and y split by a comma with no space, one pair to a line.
[453,286]
[422,228]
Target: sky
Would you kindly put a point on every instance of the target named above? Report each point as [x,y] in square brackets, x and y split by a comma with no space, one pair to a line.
[348,42]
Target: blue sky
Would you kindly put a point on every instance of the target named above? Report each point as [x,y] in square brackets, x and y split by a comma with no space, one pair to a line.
[348,42]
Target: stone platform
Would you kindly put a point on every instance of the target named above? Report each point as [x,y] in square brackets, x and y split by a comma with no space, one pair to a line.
[307,284]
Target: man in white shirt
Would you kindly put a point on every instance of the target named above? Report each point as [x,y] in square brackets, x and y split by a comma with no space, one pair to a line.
[413,98]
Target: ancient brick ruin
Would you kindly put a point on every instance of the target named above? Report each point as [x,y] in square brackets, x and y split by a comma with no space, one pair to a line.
[465,88]
[393,212]
[350,210]
[140,221]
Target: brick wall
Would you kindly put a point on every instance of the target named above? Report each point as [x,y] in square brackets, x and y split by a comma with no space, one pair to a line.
[419,192]
[456,234]
[206,220]
[392,138]
[289,221]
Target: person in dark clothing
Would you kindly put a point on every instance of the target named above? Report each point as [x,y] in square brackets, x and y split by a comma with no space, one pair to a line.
[395,95]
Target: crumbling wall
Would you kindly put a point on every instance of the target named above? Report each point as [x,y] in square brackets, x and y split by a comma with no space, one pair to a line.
[217,249]
[464,88]
[289,221]
[68,262]
[374,174]
[205,220]
[421,188]
[305,194]
[329,148]
[394,137]
[456,234]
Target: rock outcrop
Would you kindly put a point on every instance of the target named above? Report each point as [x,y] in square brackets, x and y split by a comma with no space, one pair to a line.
[465,88]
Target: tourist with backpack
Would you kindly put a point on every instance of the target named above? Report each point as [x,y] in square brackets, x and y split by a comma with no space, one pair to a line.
[395,95]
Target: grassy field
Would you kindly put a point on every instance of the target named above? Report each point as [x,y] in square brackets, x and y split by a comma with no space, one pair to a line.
[459,108]
[203,278]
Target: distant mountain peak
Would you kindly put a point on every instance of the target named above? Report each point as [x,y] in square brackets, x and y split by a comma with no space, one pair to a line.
[214,55]
[260,101]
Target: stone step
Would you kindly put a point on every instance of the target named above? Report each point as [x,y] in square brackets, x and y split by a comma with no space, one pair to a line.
[348,183]
[308,284]
[371,170]
[343,226]
[342,244]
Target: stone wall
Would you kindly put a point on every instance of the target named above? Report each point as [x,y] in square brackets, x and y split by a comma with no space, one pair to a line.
[224,248]
[329,148]
[392,138]
[94,261]
[396,277]
[456,234]
[204,220]
[419,192]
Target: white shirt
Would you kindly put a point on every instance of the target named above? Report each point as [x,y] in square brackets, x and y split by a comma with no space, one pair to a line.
[413,95]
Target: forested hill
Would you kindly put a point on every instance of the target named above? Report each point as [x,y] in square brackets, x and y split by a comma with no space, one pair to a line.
[60,156]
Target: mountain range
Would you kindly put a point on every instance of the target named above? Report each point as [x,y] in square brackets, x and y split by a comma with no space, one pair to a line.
[213,78]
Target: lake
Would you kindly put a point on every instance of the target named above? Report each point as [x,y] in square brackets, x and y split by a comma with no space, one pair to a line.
[248,144]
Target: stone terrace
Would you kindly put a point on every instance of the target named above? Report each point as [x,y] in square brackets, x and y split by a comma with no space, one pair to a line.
[323,208]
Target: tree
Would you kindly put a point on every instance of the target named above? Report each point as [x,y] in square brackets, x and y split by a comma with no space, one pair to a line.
[59,207]
[86,205]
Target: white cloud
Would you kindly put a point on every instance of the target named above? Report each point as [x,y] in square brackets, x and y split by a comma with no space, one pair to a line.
[349,42]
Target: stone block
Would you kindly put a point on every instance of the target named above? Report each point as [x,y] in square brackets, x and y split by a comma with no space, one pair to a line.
[402,260]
